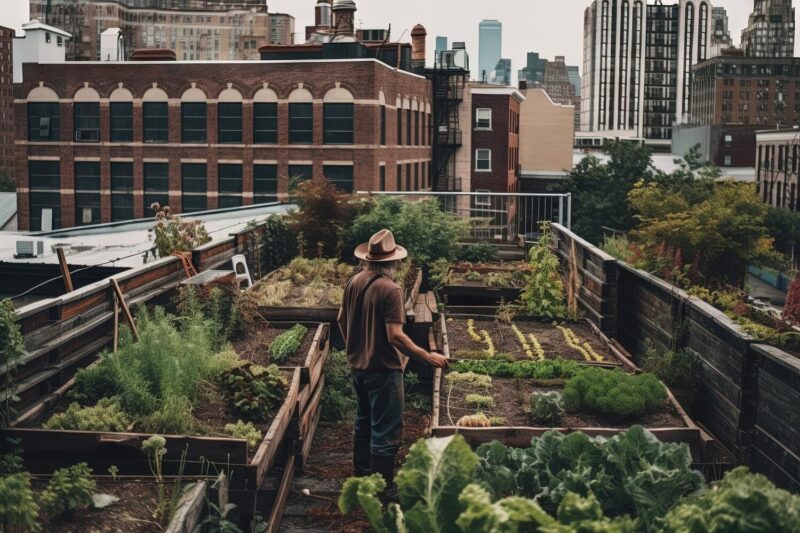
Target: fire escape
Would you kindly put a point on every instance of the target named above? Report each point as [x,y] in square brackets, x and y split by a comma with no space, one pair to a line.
[448,81]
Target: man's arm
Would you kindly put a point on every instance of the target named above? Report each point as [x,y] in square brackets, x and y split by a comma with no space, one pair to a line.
[403,342]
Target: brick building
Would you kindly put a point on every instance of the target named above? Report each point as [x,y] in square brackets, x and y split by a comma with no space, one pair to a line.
[495,137]
[193,29]
[6,102]
[778,166]
[99,142]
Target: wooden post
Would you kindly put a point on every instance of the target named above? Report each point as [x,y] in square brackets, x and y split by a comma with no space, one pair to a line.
[125,310]
[116,322]
[62,262]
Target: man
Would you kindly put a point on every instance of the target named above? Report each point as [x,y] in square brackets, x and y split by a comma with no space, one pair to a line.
[371,320]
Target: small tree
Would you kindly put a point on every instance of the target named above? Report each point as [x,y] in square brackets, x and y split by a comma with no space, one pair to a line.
[323,214]
[174,234]
[12,349]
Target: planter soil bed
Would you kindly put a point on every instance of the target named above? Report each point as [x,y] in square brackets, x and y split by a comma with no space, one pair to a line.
[670,424]
[461,289]
[44,450]
[550,338]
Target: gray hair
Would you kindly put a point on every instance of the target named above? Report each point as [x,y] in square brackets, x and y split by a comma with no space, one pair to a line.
[387,269]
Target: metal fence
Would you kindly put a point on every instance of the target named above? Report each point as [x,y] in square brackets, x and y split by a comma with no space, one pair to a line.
[497,216]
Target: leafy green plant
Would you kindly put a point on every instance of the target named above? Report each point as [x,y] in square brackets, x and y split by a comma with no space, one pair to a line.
[438,274]
[543,294]
[245,431]
[18,508]
[278,243]
[105,416]
[479,401]
[548,369]
[473,276]
[11,458]
[68,490]
[675,368]
[338,398]
[742,501]
[480,252]
[174,234]
[614,394]
[254,391]
[286,344]
[227,309]
[546,407]
[113,471]
[12,351]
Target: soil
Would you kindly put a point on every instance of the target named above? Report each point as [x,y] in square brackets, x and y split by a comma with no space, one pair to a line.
[458,275]
[254,346]
[133,513]
[511,397]
[330,464]
[505,341]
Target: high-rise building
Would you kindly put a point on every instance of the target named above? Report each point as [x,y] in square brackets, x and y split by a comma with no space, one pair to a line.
[637,66]
[574,74]
[441,43]
[770,29]
[193,29]
[533,73]
[720,35]
[6,102]
[501,75]
[490,47]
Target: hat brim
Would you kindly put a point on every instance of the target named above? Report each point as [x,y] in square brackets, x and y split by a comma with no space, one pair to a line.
[362,252]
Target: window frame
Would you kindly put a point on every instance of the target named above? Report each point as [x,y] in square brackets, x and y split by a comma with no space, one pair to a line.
[122,191]
[350,180]
[35,121]
[263,186]
[230,196]
[342,116]
[91,120]
[87,191]
[478,119]
[296,134]
[229,131]
[193,194]
[155,134]
[478,159]
[116,133]
[191,132]
[150,194]
[270,136]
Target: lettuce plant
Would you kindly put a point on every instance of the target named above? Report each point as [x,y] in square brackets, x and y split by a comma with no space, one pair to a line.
[614,394]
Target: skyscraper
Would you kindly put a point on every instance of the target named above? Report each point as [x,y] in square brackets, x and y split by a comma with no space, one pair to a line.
[502,73]
[533,73]
[441,43]
[720,35]
[637,61]
[770,29]
[490,46]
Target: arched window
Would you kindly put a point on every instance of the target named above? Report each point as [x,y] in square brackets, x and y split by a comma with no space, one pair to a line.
[265,117]
[230,116]
[194,117]
[86,111]
[121,115]
[43,115]
[338,122]
[155,111]
[301,117]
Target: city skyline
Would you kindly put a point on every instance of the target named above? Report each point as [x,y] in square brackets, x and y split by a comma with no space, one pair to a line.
[524,30]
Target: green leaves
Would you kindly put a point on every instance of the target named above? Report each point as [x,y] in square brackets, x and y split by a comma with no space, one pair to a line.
[18,509]
[614,394]
[362,492]
[286,344]
[543,294]
[69,489]
[509,515]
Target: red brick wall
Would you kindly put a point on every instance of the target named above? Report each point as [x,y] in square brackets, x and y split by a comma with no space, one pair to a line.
[364,79]
[6,103]
[502,140]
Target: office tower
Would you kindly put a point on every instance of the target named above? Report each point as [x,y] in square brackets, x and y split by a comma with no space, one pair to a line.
[720,35]
[441,43]
[533,73]
[501,75]
[490,47]
[770,29]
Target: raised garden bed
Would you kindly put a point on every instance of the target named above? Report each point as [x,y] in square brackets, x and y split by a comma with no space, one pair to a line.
[483,284]
[514,427]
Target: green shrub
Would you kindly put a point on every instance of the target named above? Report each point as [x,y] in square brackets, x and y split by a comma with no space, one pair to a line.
[543,294]
[676,369]
[174,234]
[477,253]
[278,243]
[12,350]
[338,398]
[286,344]
[480,401]
[539,370]
[68,490]
[245,431]
[105,416]
[322,217]
[615,394]
[421,227]
[18,508]
[255,390]
[546,407]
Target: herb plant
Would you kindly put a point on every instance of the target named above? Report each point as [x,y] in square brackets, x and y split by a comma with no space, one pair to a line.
[105,416]
[18,508]
[614,394]
[245,431]
[254,390]
[549,369]
[546,407]
[338,398]
[543,294]
[286,344]
[68,490]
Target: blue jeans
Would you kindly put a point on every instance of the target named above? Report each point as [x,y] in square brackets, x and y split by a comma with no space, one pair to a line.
[380,401]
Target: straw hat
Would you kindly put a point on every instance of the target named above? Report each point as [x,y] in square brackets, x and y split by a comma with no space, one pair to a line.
[381,248]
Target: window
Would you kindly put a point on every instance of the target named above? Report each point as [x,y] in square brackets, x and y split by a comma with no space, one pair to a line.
[483,160]
[483,119]
[382,178]
[728,141]
[194,184]
[337,123]
[399,177]
[121,191]
[728,161]
[230,186]
[230,123]
[416,128]
[87,193]
[340,175]
[265,123]
[399,127]
[416,176]
[43,121]
[301,123]
[408,127]
[45,192]
[298,173]
[383,125]
[87,121]
[193,122]
[265,184]
[121,122]
[156,122]
[408,176]
[156,186]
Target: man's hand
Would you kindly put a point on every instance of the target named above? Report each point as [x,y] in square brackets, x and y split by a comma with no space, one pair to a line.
[437,360]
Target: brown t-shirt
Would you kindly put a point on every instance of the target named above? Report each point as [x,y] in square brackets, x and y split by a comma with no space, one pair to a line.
[368,346]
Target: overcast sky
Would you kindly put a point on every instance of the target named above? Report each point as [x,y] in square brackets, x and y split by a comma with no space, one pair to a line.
[546,26]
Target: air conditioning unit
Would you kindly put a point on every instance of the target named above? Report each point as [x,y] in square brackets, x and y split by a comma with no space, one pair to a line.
[28,248]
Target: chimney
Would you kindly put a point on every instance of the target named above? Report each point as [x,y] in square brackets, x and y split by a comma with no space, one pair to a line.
[418,45]
[323,14]
[344,12]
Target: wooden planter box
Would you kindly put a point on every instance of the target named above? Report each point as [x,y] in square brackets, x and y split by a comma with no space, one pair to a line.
[47,450]
[520,436]
[478,295]
[308,421]
[311,371]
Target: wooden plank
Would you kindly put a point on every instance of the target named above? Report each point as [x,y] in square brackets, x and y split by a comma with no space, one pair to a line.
[307,416]
[281,497]
[125,311]
[265,455]
[64,266]
[305,443]
[189,510]
[300,314]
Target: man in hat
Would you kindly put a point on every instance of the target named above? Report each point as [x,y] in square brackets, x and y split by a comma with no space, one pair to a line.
[371,320]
